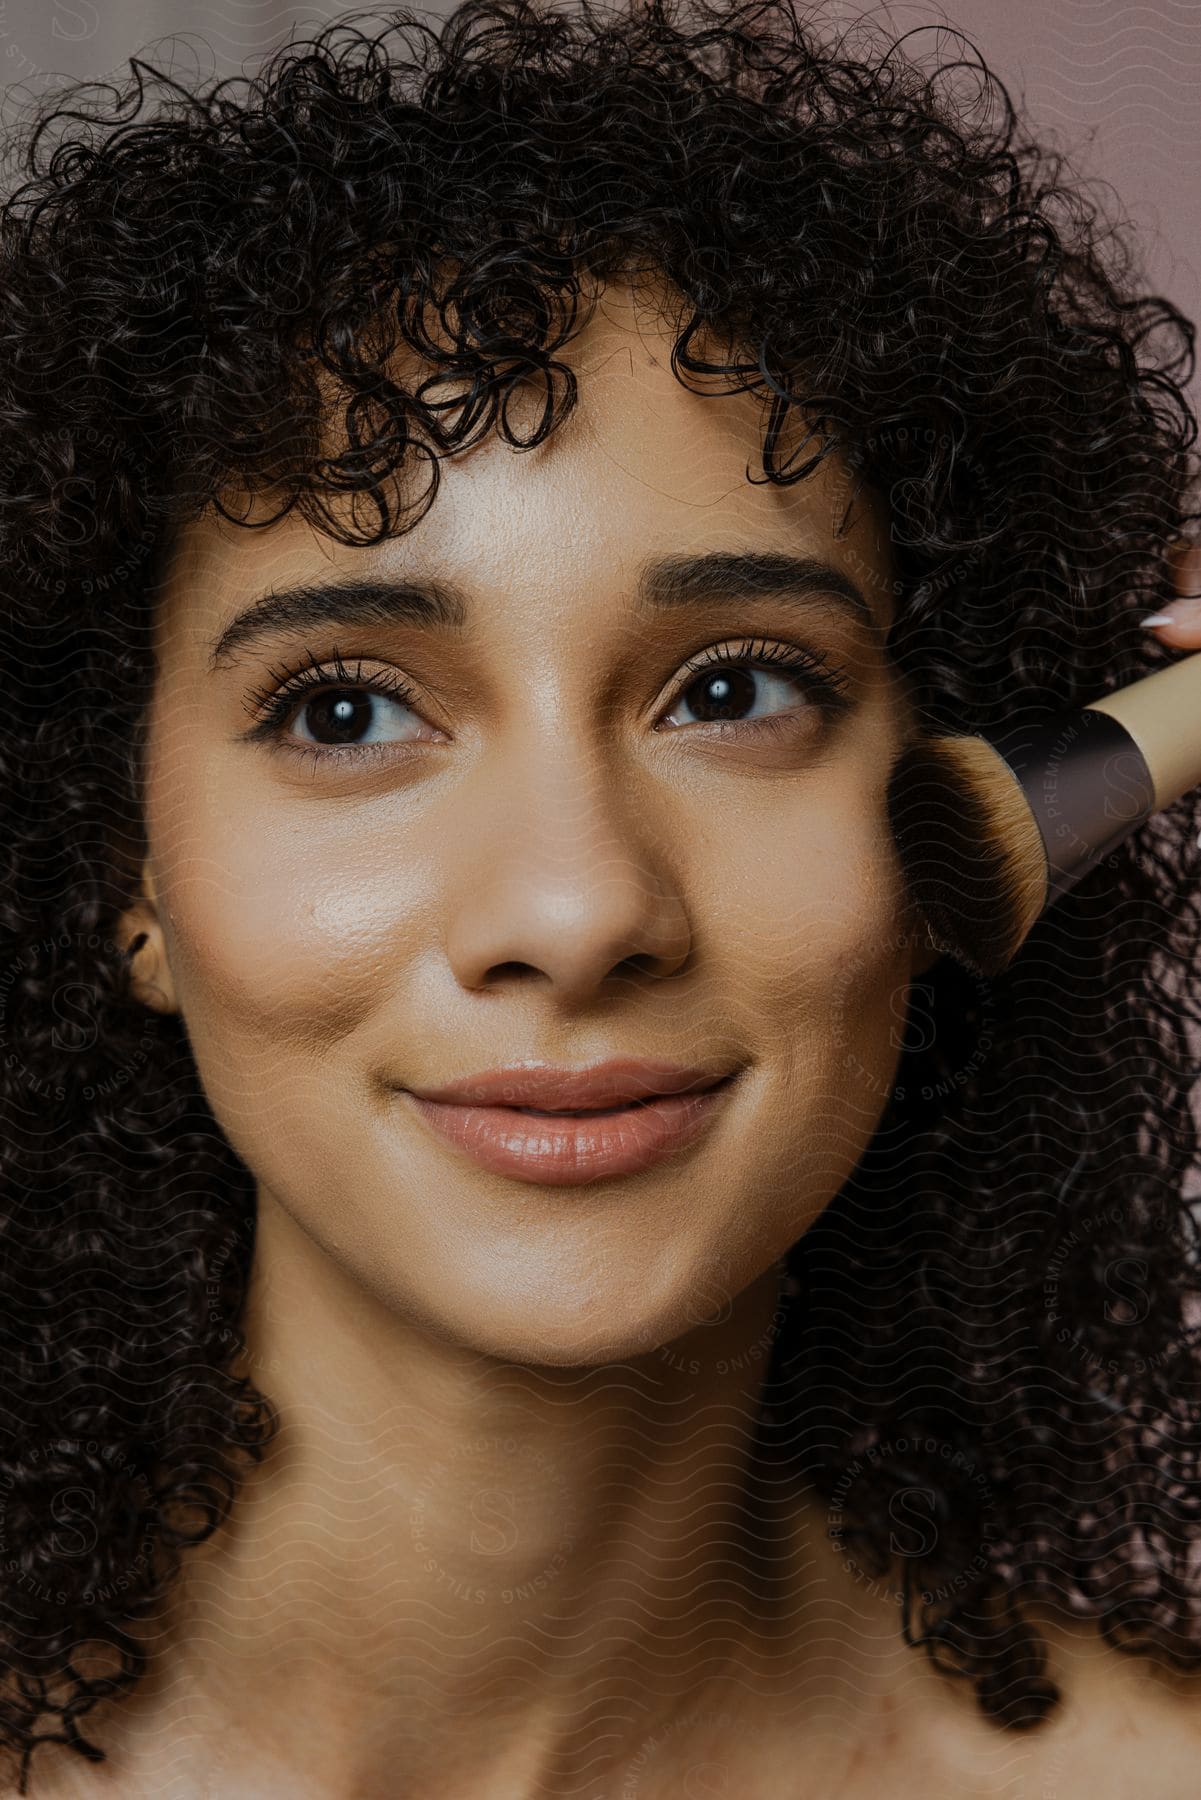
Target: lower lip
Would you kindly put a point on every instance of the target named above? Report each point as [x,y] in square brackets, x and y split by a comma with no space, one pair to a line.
[568,1152]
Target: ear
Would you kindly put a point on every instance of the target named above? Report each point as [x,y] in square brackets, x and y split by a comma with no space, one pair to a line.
[150,973]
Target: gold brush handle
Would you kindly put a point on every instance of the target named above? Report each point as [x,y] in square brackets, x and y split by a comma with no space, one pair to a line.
[1162,713]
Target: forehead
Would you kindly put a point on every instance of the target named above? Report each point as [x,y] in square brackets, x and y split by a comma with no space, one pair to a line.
[642,463]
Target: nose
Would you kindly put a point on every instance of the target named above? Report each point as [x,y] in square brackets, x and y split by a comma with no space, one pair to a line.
[562,875]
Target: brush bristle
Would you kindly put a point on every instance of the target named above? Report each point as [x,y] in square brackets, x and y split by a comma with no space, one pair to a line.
[969,847]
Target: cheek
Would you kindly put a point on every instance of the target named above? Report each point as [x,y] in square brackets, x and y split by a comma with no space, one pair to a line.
[283,930]
[816,921]
[816,904]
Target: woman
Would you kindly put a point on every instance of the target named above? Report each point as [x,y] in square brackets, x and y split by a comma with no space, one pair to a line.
[524,1274]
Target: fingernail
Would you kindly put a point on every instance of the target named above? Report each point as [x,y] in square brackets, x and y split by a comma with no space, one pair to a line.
[1184,610]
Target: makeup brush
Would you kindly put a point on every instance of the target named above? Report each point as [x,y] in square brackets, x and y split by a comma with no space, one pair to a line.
[992,828]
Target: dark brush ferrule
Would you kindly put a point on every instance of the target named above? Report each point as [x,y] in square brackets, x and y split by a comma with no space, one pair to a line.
[1087,785]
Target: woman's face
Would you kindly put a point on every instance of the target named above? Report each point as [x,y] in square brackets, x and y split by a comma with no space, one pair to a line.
[557,851]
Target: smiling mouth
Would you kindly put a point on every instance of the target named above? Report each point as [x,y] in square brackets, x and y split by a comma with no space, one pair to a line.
[572,1146]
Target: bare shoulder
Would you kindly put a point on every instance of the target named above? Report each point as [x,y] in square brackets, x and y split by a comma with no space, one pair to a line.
[56,1772]
[1126,1727]
[1127,1724]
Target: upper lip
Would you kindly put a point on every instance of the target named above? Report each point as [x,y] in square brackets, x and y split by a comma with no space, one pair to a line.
[602,1084]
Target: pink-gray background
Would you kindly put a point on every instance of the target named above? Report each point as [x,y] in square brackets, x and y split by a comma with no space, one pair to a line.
[1114,84]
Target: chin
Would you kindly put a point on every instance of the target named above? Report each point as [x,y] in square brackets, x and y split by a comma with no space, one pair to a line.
[566,1331]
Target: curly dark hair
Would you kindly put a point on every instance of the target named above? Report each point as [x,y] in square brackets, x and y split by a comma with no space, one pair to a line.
[191,285]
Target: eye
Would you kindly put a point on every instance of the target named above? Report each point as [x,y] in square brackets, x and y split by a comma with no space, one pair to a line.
[332,708]
[729,682]
[353,715]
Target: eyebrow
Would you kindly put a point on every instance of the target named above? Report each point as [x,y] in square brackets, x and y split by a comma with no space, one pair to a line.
[715,578]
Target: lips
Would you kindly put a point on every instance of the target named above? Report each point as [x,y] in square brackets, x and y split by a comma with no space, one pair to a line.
[602,1087]
[562,1149]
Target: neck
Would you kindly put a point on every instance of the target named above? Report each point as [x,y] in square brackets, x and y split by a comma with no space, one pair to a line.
[451,1563]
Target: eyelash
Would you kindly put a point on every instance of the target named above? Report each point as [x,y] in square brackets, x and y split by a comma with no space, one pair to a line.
[278,698]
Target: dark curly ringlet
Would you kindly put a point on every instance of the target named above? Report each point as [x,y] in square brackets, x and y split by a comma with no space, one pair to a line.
[193,285]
